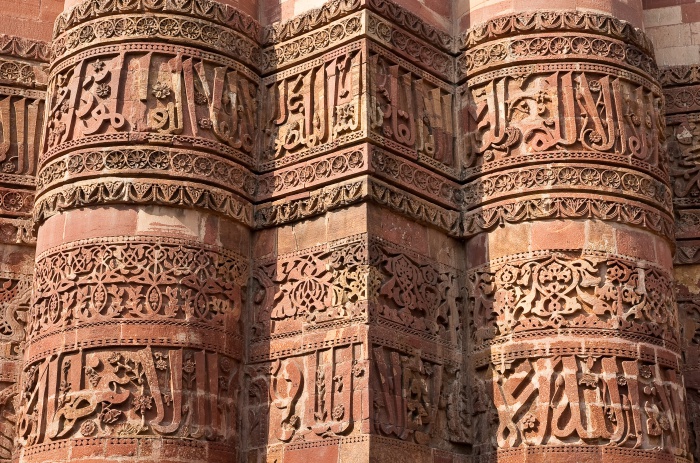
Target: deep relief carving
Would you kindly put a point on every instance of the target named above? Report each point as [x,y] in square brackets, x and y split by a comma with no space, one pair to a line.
[319,40]
[154,28]
[310,398]
[414,293]
[548,21]
[404,290]
[21,47]
[135,392]
[409,110]
[163,192]
[15,299]
[683,143]
[689,310]
[321,285]
[140,279]
[567,206]
[355,101]
[417,400]
[574,176]
[213,11]
[418,52]
[578,399]
[549,291]
[519,116]
[148,161]
[21,120]
[8,397]
[312,107]
[152,94]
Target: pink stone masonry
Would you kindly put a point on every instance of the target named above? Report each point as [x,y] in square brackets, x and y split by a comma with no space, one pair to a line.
[292,231]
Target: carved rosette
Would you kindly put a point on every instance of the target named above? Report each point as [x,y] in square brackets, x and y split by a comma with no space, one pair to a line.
[574,341]
[135,336]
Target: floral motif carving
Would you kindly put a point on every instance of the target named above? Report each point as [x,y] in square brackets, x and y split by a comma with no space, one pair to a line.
[157,27]
[147,160]
[525,180]
[415,293]
[415,25]
[311,288]
[408,292]
[583,47]
[138,279]
[418,52]
[21,73]
[555,290]
[548,21]
[311,173]
[214,11]
[310,20]
[319,40]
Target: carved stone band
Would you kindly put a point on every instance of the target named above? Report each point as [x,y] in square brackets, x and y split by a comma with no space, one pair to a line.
[549,291]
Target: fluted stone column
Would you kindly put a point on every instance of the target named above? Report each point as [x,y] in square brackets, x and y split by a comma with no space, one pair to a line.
[134,344]
[22,90]
[574,332]
[681,90]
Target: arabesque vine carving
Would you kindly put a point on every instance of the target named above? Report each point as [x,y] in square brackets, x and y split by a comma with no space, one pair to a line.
[548,21]
[549,291]
[137,278]
[406,291]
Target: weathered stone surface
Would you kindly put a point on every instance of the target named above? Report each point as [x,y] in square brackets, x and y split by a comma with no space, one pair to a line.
[354,231]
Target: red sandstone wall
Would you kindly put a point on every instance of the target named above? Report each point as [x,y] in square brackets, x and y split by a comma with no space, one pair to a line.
[31,19]
[338,245]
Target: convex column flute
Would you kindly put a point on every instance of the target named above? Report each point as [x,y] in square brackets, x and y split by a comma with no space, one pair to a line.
[134,344]
[573,324]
